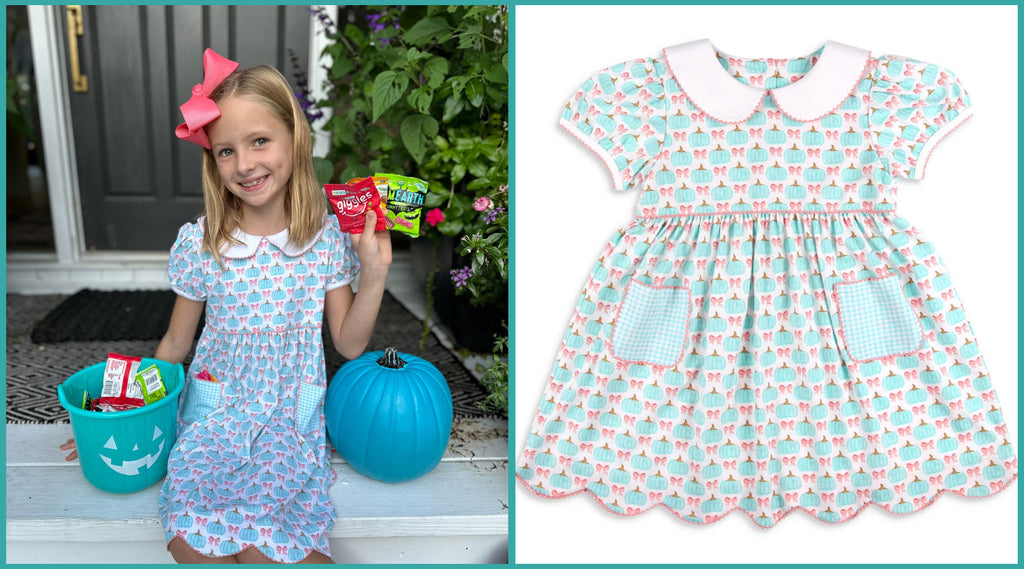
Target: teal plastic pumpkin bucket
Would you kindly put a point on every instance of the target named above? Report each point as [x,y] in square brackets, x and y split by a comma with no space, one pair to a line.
[123,451]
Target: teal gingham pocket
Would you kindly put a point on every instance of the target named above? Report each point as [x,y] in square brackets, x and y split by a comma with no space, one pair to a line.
[876,320]
[652,326]
[203,398]
[307,413]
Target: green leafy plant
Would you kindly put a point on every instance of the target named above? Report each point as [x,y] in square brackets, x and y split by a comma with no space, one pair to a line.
[423,91]
[495,377]
[485,279]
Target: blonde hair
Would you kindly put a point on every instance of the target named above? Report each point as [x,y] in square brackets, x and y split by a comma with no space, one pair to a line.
[304,203]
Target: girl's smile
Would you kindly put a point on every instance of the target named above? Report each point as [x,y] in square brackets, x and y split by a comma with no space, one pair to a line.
[253,152]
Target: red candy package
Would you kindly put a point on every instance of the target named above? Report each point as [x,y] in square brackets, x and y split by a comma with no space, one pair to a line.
[351,202]
[120,391]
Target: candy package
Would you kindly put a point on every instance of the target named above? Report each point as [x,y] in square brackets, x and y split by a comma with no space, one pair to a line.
[351,202]
[152,384]
[120,390]
[405,196]
[206,376]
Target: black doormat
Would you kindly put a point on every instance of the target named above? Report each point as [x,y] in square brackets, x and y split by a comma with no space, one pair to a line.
[109,316]
[35,369]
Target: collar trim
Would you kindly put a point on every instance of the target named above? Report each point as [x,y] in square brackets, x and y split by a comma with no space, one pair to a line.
[251,243]
[718,94]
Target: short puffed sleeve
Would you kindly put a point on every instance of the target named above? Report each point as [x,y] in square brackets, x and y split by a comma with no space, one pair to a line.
[185,265]
[914,105]
[344,264]
[620,114]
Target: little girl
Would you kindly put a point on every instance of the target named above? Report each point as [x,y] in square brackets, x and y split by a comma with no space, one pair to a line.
[248,477]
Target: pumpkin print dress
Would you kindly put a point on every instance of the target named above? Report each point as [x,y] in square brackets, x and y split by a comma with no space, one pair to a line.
[767,334]
[251,466]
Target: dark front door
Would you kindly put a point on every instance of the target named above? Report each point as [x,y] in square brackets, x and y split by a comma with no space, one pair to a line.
[138,182]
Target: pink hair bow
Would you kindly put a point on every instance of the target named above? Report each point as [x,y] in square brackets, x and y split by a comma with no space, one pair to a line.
[200,110]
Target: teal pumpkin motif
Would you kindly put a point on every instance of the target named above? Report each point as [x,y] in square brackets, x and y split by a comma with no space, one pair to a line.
[675,501]
[657,482]
[602,454]
[924,431]
[582,468]
[901,416]
[918,487]
[693,488]
[774,136]
[610,419]
[196,540]
[632,405]
[993,471]
[678,466]
[619,475]
[625,441]
[955,478]
[978,490]
[636,497]
[711,505]
[641,461]
[877,459]
[897,474]
[969,457]
[546,459]
[962,424]
[662,446]
[881,494]
[846,498]
[909,451]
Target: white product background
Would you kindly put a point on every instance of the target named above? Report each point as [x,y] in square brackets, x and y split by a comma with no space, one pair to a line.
[566,211]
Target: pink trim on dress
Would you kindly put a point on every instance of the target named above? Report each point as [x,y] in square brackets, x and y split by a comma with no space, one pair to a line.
[999,487]
[184,538]
[933,142]
[770,212]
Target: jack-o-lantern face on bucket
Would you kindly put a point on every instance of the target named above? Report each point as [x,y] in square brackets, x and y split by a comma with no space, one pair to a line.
[130,466]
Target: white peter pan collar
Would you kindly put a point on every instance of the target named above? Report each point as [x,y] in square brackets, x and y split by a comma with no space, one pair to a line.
[711,88]
[251,243]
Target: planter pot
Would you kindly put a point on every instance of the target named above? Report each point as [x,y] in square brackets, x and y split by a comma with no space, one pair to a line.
[472,327]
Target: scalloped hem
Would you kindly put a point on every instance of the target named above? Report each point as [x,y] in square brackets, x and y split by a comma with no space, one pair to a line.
[184,539]
[711,519]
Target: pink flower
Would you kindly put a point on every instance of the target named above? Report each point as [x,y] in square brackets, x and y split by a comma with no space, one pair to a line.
[435,216]
[482,203]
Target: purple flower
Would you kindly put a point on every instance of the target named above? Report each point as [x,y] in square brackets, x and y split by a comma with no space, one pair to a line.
[461,276]
[490,216]
[375,25]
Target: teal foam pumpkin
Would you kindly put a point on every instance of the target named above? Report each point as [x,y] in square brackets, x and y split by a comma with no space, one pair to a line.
[389,415]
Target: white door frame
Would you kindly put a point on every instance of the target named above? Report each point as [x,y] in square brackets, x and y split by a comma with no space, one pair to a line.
[71,267]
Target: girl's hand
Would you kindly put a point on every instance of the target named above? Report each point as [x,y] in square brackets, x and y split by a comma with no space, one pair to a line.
[70,445]
[372,247]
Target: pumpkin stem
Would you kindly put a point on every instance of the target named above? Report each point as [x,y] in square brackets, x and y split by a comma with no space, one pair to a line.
[391,359]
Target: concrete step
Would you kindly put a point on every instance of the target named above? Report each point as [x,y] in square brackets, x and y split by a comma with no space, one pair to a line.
[456,513]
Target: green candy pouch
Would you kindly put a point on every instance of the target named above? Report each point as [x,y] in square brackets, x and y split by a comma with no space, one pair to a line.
[404,202]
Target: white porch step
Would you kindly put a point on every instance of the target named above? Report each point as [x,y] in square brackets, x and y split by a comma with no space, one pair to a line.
[456,513]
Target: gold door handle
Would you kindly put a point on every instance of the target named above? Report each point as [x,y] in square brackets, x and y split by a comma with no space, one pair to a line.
[79,82]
